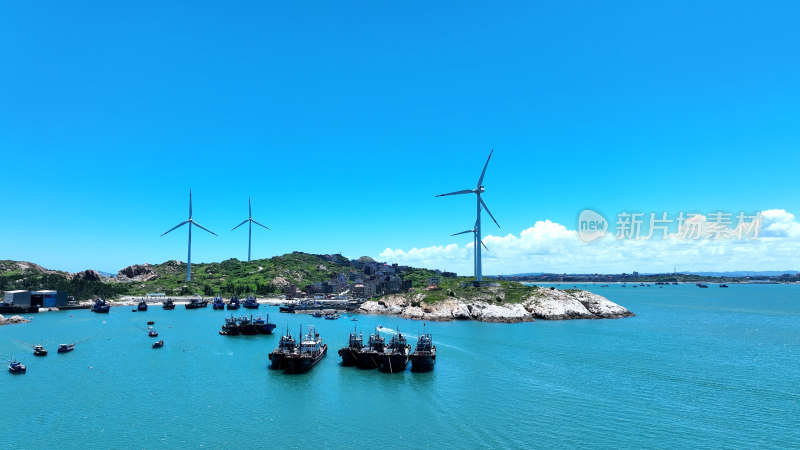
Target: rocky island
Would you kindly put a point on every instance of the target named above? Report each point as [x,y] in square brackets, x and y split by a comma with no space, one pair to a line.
[489,305]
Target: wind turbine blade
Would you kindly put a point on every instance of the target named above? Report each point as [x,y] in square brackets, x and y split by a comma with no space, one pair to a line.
[463,232]
[190,203]
[237,226]
[202,228]
[490,213]
[465,191]
[177,226]
[484,246]
[260,224]
[249,208]
[480,180]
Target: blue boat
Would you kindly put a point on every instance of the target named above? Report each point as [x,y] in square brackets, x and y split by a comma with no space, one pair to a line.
[234,303]
[100,306]
[142,306]
[250,302]
[16,367]
[218,303]
[263,326]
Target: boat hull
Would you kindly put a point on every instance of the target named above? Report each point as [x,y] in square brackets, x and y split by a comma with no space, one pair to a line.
[393,363]
[422,362]
[277,360]
[368,359]
[349,356]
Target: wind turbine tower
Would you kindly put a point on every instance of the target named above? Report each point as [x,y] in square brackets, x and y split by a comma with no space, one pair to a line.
[190,222]
[250,232]
[479,189]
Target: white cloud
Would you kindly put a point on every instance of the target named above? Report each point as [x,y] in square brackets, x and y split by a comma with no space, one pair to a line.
[551,247]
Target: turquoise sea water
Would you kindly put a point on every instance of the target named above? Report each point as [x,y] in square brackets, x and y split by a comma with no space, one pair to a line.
[696,367]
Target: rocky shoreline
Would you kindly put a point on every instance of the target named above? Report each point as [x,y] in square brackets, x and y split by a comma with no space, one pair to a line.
[12,319]
[542,303]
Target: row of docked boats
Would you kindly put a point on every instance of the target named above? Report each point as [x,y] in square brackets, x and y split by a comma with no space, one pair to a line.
[294,357]
[248,326]
[102,306]
[391,357]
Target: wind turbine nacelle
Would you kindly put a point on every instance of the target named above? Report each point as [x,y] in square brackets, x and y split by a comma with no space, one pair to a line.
[479,190]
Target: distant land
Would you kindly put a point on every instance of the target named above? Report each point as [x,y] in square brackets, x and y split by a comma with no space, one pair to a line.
[740,273]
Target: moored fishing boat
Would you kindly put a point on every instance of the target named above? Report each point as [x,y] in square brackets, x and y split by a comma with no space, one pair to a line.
[263,326]
[230,327]
[286,346]
[395,356]
[218,303]
[234,303]
[142,306]
[424,356]
[250,302]
[310,352]
[168,304]
[369,356]
[196,303]
[101,306]
[349,354]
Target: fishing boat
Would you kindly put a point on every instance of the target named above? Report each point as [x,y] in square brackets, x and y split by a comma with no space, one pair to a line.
[395,356]
[150,322]
[246,326]
[424,356]
[310,352]
[38,350]
[218,303]
[168,304]
[158,344]
[142,306]
[66,348]
[230,327]
[331,316]
[723,285]
[316,314]
[152,333]
[286,346]
[16,367]
[100,306]
[250,302]
[234,303]
[349,354]
[263,326]
[196,303]
[369,356]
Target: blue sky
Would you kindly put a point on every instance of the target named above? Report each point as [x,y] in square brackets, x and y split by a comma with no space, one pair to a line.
[342,120]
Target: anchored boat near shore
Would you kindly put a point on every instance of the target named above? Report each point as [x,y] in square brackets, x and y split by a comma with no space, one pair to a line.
[369,357]
[424,356]
[394,358]
[286,346]
[310,352]
[101,306]
[349,354]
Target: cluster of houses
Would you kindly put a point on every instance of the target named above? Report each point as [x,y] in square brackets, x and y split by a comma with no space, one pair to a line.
[366,279]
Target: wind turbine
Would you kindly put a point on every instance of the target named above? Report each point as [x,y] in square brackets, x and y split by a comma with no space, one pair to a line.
[190,222]
[474,232]
[250,233]
[479,189]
